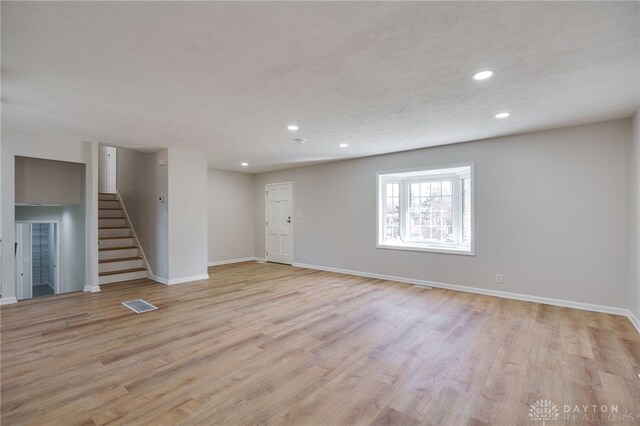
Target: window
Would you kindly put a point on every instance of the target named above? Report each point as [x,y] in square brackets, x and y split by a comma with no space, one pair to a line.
[426,210]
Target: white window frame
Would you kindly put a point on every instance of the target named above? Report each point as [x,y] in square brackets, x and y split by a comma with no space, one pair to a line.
[404,177]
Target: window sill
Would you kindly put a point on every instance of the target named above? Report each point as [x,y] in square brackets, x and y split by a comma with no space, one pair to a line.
[464,251]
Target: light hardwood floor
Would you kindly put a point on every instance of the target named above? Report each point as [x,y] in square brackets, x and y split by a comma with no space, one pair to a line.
[273,344]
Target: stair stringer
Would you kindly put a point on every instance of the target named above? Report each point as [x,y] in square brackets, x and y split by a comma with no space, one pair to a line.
[135,236]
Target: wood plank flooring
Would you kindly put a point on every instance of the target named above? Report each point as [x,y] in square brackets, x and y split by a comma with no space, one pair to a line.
[273,344]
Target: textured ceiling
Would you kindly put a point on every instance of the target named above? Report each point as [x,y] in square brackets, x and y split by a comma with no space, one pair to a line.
[226,78]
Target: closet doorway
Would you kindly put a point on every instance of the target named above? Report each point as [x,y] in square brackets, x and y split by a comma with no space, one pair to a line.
[37,257]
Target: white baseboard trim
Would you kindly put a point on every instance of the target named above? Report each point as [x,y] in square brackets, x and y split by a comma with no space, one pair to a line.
[91,288]
[413,281]
[476,290]
[8,300]
[179,280]
[158,279]
[227,262]
[634,320]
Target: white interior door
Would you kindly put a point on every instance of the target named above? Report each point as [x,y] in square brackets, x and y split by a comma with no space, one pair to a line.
[56,259]
[23,260]
[279,241]
[107,169]
[111,167]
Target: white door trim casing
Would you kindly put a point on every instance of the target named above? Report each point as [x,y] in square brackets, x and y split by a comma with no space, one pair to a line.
[266,216]
[56,232]
[23,289]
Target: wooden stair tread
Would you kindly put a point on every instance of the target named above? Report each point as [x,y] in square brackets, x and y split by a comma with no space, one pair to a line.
[122,271]
[117,248]
[111,197]
[120,259]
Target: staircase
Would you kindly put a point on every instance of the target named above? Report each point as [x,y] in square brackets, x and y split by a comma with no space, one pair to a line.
[119,258]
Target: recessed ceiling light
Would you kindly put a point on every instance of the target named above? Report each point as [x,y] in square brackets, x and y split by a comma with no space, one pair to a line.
[482,75]
[244,164]
[343,145]
[503,115]
[300,141]
[292,127]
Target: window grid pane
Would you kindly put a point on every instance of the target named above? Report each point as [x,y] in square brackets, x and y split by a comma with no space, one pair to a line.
[466,210]
[431,211]
[392,212]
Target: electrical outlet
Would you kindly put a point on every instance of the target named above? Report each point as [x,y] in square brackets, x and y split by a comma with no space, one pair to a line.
[499,278]
[224,252]
[306,255]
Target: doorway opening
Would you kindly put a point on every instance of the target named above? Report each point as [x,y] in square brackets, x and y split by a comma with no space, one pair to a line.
[37,258]
[279,229]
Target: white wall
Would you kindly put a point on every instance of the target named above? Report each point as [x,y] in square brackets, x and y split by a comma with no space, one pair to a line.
[187,200]
[634,296]
[127,172]
[71,220]
[172,233]
[48,182]
[141,181]
[2,236]
[551,214]
[230,211]
[18,143]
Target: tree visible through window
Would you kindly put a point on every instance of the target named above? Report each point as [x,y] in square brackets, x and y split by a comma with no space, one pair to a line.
[466,210]
[426,210]
[431,210]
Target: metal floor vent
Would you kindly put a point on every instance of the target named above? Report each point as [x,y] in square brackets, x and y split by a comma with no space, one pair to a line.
[139,306]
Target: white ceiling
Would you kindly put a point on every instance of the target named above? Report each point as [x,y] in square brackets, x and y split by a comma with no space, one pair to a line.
[226,78]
